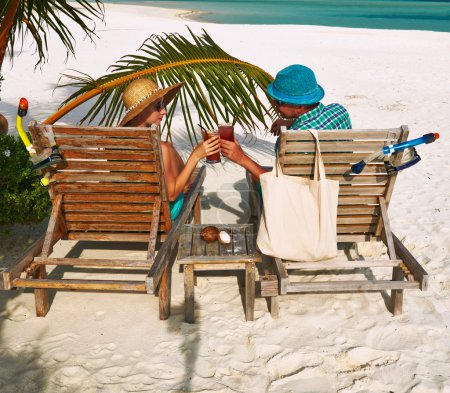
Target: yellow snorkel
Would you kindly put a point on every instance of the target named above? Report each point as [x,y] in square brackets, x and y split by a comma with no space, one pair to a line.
[21,113]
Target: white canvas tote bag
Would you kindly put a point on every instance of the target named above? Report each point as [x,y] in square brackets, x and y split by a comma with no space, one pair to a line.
[298,221]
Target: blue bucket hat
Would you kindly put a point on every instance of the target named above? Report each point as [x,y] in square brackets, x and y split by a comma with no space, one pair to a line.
[296,85]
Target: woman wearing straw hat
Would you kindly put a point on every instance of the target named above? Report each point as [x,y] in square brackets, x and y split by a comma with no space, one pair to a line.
[145,105]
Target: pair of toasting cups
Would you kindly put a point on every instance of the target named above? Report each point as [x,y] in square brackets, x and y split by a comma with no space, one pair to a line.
[225,132]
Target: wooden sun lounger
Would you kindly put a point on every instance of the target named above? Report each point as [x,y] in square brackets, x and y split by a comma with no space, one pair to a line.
[111,188]
[362,210]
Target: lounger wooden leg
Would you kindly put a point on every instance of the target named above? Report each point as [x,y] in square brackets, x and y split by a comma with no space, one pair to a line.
[252,197]
[397,274]
[197,210]
[41,295]
[189,302]
[283,277]
[249,291]
[397,294]
[274,309]
[164,293]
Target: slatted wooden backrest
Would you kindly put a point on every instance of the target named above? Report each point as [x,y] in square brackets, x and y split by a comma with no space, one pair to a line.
[358,206]
[109,181]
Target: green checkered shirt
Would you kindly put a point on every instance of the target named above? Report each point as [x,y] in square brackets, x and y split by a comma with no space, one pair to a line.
[330,117]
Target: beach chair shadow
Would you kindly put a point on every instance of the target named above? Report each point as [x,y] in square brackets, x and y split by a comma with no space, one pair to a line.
[362,213]
[110,188]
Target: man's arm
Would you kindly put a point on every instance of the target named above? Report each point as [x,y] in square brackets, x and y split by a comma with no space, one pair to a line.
[234,152]
[278,124]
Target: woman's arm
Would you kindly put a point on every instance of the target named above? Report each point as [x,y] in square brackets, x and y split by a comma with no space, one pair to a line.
[176,180]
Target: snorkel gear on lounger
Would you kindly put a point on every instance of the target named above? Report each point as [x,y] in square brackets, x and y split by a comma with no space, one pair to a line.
[409,158]
[48,157]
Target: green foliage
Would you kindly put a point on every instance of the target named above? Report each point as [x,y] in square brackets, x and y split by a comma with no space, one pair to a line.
[38,17]
[22,198]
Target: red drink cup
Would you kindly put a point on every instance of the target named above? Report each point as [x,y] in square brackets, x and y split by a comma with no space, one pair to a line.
[226,132]
[213,158]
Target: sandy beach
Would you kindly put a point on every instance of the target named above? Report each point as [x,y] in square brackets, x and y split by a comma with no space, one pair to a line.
[346,342]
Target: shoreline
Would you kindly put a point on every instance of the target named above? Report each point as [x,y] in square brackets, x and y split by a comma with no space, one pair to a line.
[194,15]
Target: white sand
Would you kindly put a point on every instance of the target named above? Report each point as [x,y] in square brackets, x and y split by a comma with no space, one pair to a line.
[321,343]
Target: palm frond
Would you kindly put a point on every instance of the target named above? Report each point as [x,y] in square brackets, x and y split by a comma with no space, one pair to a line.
[218,86]
[38,17]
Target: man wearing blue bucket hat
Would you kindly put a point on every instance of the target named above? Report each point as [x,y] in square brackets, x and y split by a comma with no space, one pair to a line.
[296,95]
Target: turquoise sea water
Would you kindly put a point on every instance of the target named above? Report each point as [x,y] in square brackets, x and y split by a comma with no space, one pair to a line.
[376,14]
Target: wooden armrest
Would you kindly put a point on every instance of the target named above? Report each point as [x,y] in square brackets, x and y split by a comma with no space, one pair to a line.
[163,256]
[417,270]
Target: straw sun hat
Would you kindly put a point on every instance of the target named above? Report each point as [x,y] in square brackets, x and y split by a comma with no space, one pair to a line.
[141,93]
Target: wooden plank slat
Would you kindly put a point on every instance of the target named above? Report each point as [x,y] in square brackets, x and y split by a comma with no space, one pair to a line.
[123,132]
[108,236]
[342,264]
[92,262]
[357,209]
[87,187]
[381,134]
[346,238]
[105,177]
[197,259]
[212,249]
[111,226]
[105,197]
[350,286]
[360,179]
[361,190]
[250,237]
[357,200]
[198,244]
[185,242]
[98,154]
[335,147]
[238,240]
[356,220]
[106,285]
[205,267]
[328,158]
[331,169]
[347,229]
[102,165]
[108,207]
[112,217]
[105,143]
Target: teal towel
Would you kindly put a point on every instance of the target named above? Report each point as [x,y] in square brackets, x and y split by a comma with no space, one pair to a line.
[176,206]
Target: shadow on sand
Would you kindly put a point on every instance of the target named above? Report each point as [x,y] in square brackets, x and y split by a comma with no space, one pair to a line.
[20,364]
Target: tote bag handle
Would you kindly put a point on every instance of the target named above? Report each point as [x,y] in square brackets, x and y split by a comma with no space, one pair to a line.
[319,168]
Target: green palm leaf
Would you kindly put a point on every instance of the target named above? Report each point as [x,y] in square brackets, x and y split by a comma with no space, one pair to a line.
[218,86]
[37,17]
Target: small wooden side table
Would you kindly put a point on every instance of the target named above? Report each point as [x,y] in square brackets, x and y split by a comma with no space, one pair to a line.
[194,254]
